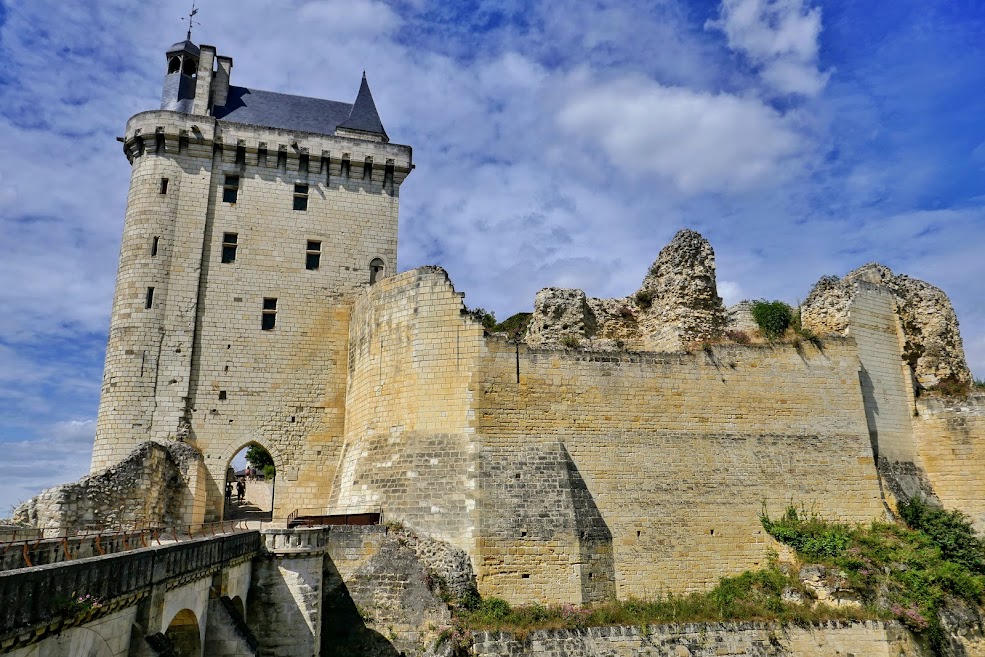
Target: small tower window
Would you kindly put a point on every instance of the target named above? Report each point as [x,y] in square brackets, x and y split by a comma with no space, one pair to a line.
[230,189]
[229,241]
[300,197]
[241,156]
[149,302]
[159,143]
[269,317]
[312,256]
[189,66]
[262,154]
[368,169]
[164,185]
[303,161]
[282,159]
[376,268]
[345,166]
[174,65]
[154,245]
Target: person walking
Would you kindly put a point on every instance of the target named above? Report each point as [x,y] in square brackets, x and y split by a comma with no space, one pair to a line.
[240,489]
[229,492]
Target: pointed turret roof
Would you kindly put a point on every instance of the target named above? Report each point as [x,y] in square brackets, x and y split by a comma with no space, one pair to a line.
[364,116]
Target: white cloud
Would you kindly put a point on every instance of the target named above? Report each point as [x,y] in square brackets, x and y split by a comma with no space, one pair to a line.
[701,142]
[780,38]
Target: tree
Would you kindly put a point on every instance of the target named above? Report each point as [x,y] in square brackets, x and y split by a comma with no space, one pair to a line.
[258,457]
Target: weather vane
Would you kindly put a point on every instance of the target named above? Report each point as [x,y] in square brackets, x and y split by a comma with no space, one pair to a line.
[191,22]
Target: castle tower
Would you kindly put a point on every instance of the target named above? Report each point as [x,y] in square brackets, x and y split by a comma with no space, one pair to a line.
[252,219]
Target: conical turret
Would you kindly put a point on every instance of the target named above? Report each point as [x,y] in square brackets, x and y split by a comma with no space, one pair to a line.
[364,117]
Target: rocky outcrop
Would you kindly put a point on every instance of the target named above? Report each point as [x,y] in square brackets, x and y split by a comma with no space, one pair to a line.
[676,305]
[684,306]
[146,489]
[932,341]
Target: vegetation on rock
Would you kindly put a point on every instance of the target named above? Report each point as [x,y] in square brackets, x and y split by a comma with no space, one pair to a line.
[772,317]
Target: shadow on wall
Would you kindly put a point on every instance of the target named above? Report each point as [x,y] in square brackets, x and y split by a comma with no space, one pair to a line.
[598,570]
[344,632]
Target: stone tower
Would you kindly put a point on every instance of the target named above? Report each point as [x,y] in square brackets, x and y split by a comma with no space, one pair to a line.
[252,219]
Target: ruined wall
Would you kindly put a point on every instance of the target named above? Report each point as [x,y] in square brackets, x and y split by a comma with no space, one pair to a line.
[408,442]
[932,345]
[662,461]
[871,639]
[574,476]
[156,485]
[950,439]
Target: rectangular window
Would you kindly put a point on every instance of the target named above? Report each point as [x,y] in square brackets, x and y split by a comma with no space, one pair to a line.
[150,298]
[229,241]
[159,143]
[303,163]
[262,154]
[154,245]
[269,318]
[230,189]
[312,257]
[368,169]
[222,395]
[164,185]
[282,160]
[300,197]
[241,156]
[345,167]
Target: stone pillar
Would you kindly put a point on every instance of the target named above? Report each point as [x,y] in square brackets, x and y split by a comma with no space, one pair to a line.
[285,609]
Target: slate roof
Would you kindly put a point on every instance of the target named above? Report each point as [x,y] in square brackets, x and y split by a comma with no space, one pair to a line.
[364,115]
[184,46]
[288,112]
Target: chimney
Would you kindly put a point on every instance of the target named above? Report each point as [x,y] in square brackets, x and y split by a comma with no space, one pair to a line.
[220,84]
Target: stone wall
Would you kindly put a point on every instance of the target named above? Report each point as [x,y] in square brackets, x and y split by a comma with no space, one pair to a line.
[569,475]
[871,639]
[157,485]
[107,636]
[950,439]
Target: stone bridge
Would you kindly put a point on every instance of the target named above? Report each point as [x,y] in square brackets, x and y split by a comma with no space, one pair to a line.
[179,599]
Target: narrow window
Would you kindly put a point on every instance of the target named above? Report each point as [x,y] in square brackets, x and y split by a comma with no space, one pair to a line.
[368,169]
[150,298]
[269,318]
[164,185]
[141,148]
[182,144]
[159,143]
[312,257]
[375,270]
[282,160]
[303,164]
[262,154]
[241,156]
[388,177]
[222,395]
[325,163]
[154,245]
[229,247]
[300,197]
[230,189]
[345,167]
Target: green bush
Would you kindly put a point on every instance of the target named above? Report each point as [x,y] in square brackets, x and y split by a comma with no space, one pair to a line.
[570,341]
[772,317]
[644,299]
[950,531]
[516,325]
[486,318]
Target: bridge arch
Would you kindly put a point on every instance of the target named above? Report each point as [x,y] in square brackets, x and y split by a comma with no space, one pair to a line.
[76,642]
[185,634]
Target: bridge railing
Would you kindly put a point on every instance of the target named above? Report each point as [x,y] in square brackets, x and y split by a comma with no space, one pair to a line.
[32,597]
[69,543]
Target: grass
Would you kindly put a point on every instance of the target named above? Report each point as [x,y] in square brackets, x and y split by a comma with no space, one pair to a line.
[907,572]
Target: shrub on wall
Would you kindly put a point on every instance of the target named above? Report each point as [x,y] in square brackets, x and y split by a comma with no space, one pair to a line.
[772,317]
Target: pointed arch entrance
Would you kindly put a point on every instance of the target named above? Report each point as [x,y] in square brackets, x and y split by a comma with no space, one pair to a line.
[250,482]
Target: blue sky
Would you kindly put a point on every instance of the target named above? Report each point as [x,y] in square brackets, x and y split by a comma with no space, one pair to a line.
[559,143]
